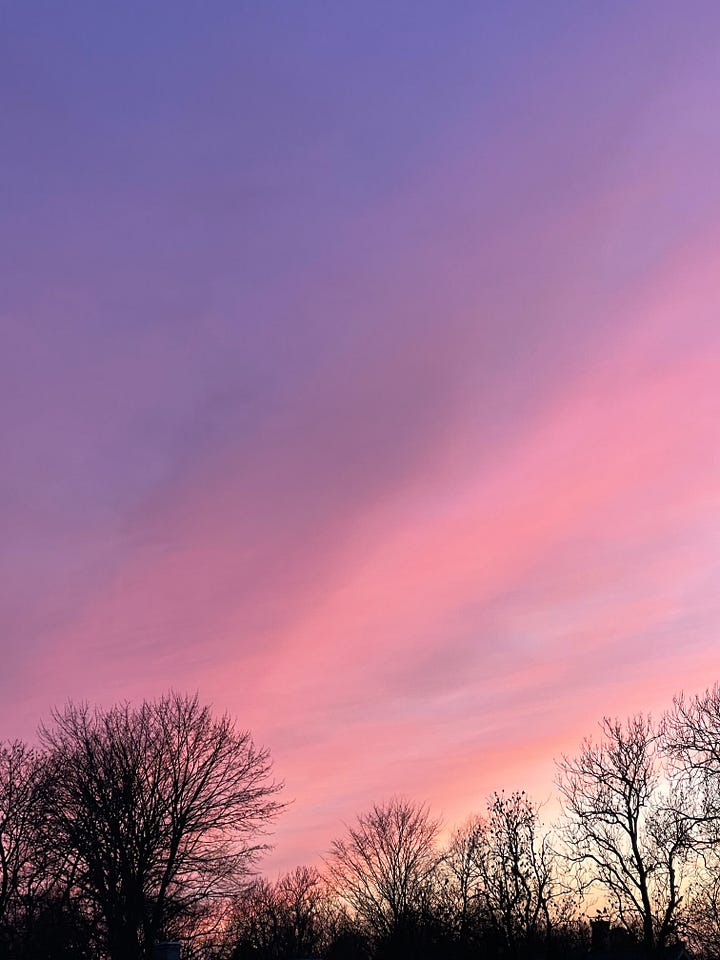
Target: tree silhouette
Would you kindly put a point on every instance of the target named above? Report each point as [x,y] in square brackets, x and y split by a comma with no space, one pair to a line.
[383,867]
[26,863]
[628,833]
[159,806]
[514,864]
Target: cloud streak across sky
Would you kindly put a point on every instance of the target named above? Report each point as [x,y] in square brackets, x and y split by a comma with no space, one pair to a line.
[360,370]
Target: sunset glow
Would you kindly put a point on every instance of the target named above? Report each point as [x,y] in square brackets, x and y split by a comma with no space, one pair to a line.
[361,371]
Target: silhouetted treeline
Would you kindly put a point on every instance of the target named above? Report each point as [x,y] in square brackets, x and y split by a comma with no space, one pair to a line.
[137,824]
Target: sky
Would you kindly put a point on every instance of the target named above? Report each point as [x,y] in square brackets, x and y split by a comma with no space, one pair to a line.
[360,371]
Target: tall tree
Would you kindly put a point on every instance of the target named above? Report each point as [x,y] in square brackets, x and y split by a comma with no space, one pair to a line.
[626,828]
[513,862]
[161,806]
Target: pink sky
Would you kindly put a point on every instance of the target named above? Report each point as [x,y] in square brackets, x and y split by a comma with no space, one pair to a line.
[384,414]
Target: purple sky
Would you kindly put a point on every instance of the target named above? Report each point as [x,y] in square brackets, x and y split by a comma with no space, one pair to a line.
[360,370]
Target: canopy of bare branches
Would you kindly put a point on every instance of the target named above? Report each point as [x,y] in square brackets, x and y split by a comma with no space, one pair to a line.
[139,823]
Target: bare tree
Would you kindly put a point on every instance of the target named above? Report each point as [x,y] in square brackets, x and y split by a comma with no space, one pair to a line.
[701,926]
[305,904]
[384,864]
[626,828]
[161,806]
[256,928]
[26,864]
[692,736]
[282,920]
[17,803]
[513,862]
[463,877]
